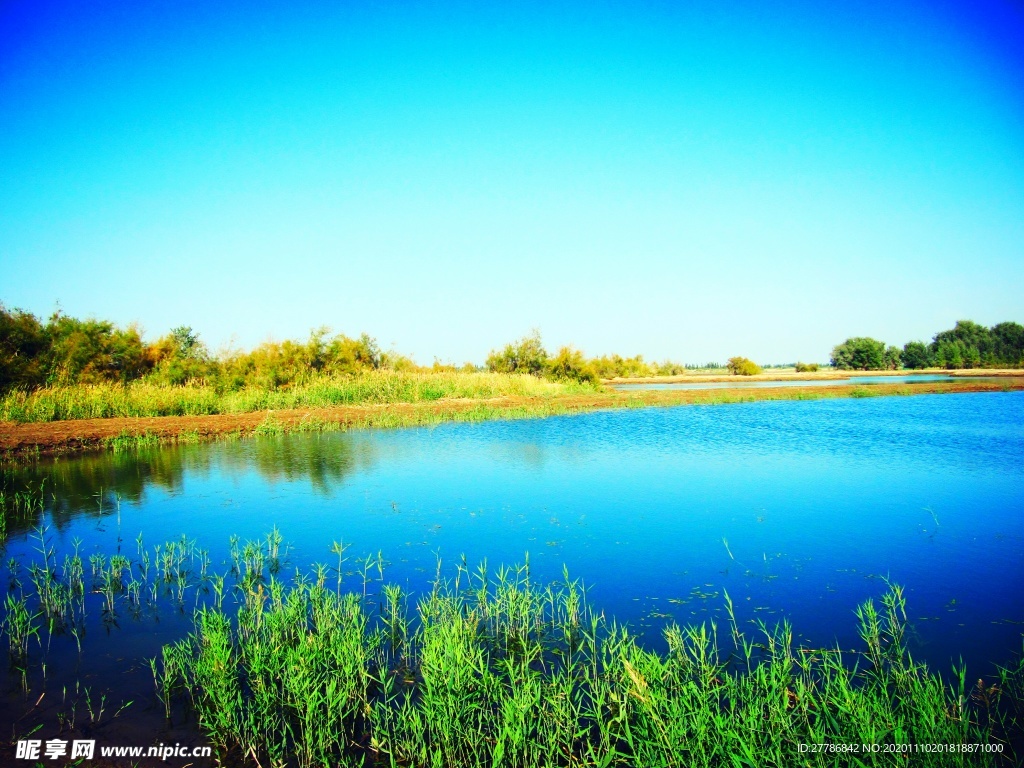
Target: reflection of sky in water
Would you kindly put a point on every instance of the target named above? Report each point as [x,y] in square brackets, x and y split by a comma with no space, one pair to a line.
[818,502]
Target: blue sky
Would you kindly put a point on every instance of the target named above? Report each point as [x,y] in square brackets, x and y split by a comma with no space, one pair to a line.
[684,180]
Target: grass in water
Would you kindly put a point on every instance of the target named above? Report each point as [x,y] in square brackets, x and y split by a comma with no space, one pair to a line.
[491,668]
[496,670]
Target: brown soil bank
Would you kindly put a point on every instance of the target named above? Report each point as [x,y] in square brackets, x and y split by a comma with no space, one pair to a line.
[70,436]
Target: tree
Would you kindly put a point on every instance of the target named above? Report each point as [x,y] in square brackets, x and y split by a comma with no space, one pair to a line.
[185,342]
[570,364]
[1008,344]
[23,347]
[949,354]
[859,353]
[975,343]
[181,357]
[892,358]
[741,366]
[915,355]
[91,351]
[524,356]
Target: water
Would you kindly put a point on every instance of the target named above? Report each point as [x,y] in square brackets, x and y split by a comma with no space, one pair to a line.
[819,502]
[912,378]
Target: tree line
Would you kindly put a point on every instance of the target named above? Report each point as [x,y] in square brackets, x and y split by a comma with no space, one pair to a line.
[65,350]
[966,345]
[528,355]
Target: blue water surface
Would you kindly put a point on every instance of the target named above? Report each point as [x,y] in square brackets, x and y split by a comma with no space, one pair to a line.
[799,510]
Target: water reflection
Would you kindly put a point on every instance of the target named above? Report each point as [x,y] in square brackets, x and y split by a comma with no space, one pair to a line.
[819,501]
[97,484]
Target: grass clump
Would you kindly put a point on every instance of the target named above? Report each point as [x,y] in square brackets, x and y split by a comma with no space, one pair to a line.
[496,670]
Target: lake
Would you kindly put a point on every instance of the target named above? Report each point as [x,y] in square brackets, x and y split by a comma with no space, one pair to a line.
[799,510]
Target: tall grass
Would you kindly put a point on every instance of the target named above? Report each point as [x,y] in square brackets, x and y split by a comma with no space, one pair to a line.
[141,398]
[495,670]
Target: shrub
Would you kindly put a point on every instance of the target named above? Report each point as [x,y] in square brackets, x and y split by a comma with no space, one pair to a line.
[806,367]
[741,366]
[524,356]
[570,364]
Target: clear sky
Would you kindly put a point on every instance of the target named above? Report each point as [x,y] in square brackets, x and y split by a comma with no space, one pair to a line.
[684,180]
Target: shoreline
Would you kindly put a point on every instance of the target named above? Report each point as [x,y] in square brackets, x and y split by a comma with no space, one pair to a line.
[26,440]
[829,375]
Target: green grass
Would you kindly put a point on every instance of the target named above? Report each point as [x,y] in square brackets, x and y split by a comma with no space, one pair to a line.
[492,668]
[142,399]
[385,419]
[18,506]
[496,670]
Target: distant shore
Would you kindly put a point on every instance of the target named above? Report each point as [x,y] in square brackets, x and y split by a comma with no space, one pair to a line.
[827,375]
[20,441]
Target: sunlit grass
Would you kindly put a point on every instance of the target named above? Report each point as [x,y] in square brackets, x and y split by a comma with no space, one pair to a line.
[494,669]
[141,399]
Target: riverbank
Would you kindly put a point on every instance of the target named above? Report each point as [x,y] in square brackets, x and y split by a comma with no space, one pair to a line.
[18,440]
[826,375]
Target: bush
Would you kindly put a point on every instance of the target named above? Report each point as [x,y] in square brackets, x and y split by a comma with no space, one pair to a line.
[741,366]
[524,356]
[569,364]
[806,367]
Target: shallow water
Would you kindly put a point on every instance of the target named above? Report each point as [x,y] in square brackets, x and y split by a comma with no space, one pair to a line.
[800,510]
[912,378]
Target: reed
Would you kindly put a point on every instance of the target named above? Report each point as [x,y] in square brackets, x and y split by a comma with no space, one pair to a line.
[18,506]
[501,671]
[20,626]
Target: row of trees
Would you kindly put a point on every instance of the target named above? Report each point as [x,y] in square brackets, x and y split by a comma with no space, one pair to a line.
[65,350]
[966,345]
[529,356]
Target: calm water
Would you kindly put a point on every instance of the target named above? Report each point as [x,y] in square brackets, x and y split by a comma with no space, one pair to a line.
[819,502]
[913,378]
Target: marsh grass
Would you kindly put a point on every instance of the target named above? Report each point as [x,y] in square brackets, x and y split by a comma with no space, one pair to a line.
[274,426]
[18,507]
[493,668]
[145,399]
